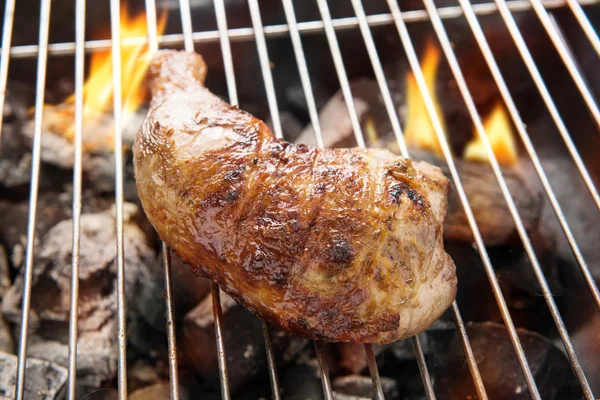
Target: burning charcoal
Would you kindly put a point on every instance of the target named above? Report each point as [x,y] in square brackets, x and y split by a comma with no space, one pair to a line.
[6,341]
[5,281]
[102,394]
[301,380]
[585,341]
[50,302]
[403,350]
[189,290]
[143,372]
[361,387]
[19,98]
[45,380]
[489,207]
[13,218]
[98,156]
[146,340]
[334,118]
[159,391]
[15,159]
[352,357]
[499,367]
[243,338]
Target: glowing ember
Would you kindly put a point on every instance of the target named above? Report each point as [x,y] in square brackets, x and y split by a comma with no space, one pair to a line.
[499,132]
[419,131]
[98,88]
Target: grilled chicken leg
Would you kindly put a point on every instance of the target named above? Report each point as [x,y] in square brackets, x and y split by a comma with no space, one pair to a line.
[337,244]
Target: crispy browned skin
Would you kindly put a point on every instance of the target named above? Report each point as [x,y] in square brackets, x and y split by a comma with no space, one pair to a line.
[338,244]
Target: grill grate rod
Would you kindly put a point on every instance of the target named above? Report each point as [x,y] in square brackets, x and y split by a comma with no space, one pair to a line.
[77,172]
[115,27]
[40,91]
[567,58]
[171,340]
[290,16]
[265,67]
[166,252]
[585,24]
[539,82]
[473,367]
[370,356]
[531,66]
[274,112]
[423,368]
[324,368]
[9,16]
[477,31]
[231,86]
[489,269]
[358,133]
[279,30]
[393,116]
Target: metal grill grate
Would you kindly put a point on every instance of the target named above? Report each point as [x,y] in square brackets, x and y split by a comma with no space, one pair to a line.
[294,29]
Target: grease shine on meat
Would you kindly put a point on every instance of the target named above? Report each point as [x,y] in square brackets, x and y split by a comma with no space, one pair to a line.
[337,244]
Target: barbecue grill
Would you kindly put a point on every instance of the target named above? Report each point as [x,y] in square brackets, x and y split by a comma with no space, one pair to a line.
[260,33]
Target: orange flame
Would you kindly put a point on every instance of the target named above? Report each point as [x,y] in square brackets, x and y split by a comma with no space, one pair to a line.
[98,88]
[499,132]
[135,60]
[419,131]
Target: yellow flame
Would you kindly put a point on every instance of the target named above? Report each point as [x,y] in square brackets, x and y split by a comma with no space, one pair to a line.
[135,60]
[499,132]
[98,88]
[419,131]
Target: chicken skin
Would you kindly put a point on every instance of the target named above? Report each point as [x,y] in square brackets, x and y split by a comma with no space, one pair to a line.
[335,244]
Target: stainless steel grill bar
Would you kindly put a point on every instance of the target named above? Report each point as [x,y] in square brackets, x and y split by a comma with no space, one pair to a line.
[567,59]
[265,67]
[218,315]
[489,269]
[474,369]
[372,363]
[223,34]
[535,74]
[77,172]
[341,72]
[244,34]
[215,291]
[528,59]
[393,116]
[423,368]
[358,133]
[327,391]
[115,27]
[379,75]
[171,339]
[9,16]
[476,29]
[152,26]
[290,16]
[585,24]
[274,111]
[166,253]
[272,365]
[186,25]
[40,91]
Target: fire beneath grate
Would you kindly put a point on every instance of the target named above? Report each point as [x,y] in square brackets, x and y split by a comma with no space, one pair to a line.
[500,95]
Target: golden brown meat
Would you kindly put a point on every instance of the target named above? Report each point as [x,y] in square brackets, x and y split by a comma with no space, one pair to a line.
[339,244]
